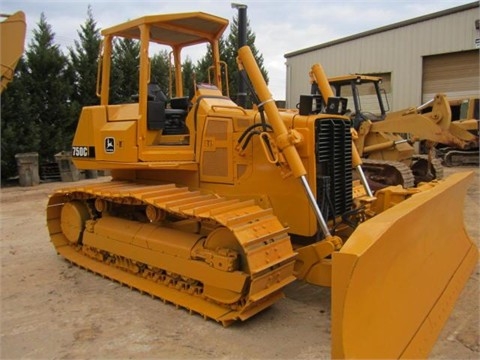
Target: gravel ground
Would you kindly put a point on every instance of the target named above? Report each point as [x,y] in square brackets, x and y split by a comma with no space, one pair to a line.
[53,310]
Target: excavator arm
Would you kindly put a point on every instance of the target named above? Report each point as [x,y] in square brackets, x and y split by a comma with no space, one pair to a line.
[12,32]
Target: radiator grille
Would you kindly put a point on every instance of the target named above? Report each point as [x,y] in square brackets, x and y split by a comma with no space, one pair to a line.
[333,150]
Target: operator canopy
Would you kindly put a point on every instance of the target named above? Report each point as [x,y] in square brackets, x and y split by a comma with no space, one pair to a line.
[175,30]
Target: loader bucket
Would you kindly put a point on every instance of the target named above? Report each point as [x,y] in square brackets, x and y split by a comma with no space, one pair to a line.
[12,36]
[396,279]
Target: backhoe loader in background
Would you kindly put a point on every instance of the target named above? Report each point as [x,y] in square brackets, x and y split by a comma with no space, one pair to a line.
[465,114]
[384,139]
[201,215]
[12,40]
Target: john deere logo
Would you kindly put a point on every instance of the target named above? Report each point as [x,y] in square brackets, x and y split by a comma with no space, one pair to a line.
[109,144]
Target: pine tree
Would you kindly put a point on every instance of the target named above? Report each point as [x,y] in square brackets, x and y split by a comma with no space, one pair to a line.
[228,54]
[160,68]
[36,109]
[84,60]
[159,71]
[188,71]
[48,85]
[203,65]
[18,133]
[125,71]
[232,45]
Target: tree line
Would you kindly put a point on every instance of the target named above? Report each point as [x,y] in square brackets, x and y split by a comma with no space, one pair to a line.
[41,106]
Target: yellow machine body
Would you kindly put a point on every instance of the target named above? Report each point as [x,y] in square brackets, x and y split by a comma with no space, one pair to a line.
[465,115]
[431,121]
[385,139]
[385,301]
[12,40]
[219,212]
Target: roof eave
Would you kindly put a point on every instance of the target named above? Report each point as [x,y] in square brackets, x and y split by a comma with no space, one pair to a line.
[385,28]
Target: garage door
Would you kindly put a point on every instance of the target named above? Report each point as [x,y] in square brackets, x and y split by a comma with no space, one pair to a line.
[454,74]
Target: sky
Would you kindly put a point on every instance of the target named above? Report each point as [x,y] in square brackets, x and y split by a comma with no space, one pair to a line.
[280,26]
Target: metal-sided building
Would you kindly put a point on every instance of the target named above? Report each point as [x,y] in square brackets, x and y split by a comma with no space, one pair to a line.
[417,58]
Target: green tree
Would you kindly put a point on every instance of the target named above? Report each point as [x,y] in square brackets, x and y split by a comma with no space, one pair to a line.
[48,81]
[36,109]
[160,67]
[84,60]
[231,57]
[203,65]
[18,133]
[228,53]
[159,71]
[188,71]
[125,71]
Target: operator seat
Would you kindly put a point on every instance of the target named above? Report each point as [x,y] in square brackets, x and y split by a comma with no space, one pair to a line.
[156,104]
[176,115]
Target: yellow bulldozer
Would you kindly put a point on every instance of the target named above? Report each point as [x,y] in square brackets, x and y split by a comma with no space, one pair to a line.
[12,39]
[219,210]
[384,139]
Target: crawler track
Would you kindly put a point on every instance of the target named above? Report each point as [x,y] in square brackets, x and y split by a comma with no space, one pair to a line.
[425,170]
[382,173]
[225,259]
[455,157]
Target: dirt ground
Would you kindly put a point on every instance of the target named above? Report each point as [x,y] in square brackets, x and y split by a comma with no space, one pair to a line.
[53,310]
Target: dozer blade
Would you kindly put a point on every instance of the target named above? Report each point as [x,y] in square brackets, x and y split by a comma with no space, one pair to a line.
[398,276]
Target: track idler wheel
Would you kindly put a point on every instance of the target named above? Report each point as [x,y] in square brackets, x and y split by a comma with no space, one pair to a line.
[73,218]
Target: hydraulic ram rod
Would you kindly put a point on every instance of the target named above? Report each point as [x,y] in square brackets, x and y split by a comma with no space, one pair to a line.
[282,136]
